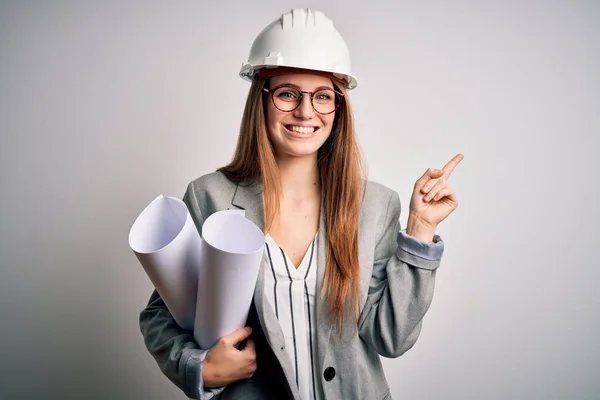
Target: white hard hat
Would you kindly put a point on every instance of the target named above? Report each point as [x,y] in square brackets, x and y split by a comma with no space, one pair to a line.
[301,38]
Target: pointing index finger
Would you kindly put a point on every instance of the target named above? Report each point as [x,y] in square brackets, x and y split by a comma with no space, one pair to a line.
[449,167]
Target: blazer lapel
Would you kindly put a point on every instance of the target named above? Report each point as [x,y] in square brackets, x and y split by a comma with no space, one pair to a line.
[324,325]
[248,197]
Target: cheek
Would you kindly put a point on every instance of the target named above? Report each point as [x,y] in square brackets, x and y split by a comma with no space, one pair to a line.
[271,123]
[274,116]
[328,121]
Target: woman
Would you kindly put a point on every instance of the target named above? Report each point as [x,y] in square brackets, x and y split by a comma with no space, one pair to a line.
[341,282]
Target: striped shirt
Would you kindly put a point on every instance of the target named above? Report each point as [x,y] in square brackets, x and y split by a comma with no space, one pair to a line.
[292,294]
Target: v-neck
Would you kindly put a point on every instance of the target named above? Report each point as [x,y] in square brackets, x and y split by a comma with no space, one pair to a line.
[300,272]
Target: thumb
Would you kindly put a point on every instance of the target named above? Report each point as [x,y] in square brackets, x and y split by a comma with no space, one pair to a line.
[250,346]
[237,336]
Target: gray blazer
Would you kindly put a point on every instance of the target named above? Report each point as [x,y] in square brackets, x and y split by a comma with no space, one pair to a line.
[397,284]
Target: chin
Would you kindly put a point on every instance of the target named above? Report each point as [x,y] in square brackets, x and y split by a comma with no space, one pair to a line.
[300,151]
[292,146]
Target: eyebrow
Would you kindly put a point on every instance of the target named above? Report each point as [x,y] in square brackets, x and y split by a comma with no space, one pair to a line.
[299,88]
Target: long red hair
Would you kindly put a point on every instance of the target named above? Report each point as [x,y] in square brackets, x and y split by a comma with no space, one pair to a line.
[342,183]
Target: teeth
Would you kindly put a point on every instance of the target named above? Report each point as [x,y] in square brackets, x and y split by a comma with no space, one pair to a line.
[302,129]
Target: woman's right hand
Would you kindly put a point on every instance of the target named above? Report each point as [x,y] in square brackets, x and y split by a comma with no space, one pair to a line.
[224,364]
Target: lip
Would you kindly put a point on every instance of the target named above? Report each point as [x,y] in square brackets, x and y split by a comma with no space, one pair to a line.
[298,135]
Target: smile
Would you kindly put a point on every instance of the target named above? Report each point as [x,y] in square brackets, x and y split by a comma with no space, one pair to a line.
[306,130]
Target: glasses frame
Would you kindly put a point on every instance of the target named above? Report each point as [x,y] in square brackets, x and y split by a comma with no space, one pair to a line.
[302,94]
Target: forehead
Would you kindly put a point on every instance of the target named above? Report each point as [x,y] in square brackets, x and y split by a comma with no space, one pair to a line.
[307,81]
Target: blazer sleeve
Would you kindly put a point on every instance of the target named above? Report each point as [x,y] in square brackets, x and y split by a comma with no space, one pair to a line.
[173,348]
[401,286]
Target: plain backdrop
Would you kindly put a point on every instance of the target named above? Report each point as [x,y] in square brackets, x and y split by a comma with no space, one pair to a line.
[104,105]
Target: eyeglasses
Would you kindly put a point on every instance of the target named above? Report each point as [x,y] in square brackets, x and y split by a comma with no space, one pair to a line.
[287,98]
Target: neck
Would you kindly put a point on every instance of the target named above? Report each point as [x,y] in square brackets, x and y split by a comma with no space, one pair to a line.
[299,177]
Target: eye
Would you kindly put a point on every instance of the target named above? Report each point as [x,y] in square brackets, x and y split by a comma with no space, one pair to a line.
[287,94]
[324,96]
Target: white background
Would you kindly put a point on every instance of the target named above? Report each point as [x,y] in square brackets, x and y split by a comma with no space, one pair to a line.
[104,105]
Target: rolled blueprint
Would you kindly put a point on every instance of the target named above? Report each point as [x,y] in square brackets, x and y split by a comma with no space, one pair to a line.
[231,257]
[207,283]
[168,245]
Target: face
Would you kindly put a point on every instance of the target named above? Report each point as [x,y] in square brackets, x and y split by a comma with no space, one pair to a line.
[301,132]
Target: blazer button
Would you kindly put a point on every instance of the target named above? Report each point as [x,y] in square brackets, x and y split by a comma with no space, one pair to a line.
[329,373]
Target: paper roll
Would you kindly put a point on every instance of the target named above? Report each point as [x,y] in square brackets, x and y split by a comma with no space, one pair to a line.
[232,255]
[167,244]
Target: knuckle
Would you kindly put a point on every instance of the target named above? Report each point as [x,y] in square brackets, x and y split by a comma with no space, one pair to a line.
[252,368]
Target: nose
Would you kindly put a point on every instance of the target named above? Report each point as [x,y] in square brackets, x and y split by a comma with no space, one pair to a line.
[305,109]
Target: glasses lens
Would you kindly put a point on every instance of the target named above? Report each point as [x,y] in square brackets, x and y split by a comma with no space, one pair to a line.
[324,101]
[286,98]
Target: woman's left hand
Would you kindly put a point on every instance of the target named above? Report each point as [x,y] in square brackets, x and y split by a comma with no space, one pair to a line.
[433,199]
